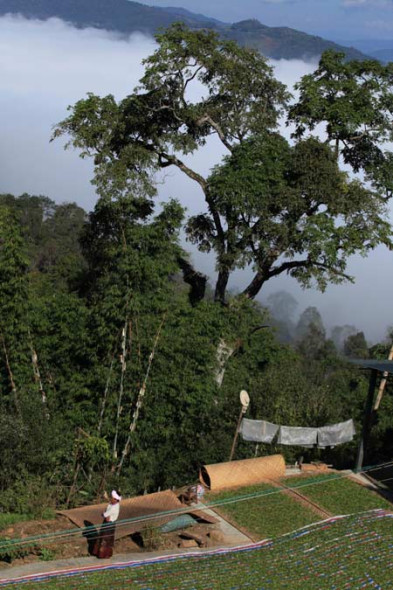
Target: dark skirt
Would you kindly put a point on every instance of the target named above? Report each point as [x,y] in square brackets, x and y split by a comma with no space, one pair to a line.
[103,547]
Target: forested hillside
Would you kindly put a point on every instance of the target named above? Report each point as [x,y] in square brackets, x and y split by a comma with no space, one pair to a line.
[79,324]
[128,17]
[120,363]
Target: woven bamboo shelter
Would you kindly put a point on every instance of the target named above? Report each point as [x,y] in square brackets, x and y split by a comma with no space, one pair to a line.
[242,473]
[151,510]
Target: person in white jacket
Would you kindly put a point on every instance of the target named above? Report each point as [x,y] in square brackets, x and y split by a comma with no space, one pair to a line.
[103,547]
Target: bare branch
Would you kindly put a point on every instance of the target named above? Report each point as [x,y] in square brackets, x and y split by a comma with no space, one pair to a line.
[265,274]
[165,160]
[191,78]
[207,119]
[287,266]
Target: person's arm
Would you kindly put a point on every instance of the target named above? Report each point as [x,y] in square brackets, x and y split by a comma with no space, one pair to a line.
[108,512]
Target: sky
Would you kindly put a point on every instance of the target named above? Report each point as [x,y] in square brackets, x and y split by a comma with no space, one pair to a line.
[47,66]
[333,19]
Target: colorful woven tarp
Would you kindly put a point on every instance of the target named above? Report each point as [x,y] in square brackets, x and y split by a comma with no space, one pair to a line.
[342,552]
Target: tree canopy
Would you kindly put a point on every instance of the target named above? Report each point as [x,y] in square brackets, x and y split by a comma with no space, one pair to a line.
[354,102]
[269,205]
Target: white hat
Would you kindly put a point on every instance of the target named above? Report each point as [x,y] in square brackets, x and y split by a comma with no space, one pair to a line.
[115,495]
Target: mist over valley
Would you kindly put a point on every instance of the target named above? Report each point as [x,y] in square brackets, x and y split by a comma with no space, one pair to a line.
[50,65]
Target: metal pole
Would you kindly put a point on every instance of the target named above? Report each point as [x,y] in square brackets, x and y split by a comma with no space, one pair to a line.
[368,412]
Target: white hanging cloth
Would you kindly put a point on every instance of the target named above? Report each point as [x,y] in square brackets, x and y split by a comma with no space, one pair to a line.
[261,431]
[297,435]
[258,430]
[336,434]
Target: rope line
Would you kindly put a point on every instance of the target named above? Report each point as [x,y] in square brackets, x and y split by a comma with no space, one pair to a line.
[356,537]
[92,529]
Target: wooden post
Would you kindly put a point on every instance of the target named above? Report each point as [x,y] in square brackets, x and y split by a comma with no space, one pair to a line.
[245,402]
[382,385]
[239,421]
[368,413]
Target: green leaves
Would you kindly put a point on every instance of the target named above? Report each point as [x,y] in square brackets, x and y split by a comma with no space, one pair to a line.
[354,101]
[269,205]
[240,95]
[288,209]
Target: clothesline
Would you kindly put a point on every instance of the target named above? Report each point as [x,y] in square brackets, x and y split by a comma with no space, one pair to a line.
[261,431]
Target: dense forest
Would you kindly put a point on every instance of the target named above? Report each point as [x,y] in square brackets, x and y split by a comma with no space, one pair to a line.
[120,364]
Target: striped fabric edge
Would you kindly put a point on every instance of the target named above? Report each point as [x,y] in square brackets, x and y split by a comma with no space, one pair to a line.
[379,512]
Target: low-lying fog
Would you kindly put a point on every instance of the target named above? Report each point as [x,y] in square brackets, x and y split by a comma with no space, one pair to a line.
[46,66]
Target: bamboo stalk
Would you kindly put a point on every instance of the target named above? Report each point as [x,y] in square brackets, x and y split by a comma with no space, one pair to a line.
[105,397]
[77,467]
[37,377]
[121,390]
[140,398]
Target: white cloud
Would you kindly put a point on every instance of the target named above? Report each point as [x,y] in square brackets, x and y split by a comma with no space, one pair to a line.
[45,67]
[380,25]
[355,2]
[48,65]
[368,3]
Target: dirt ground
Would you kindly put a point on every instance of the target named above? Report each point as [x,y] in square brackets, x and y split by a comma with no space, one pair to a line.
[77,546]
[59,548]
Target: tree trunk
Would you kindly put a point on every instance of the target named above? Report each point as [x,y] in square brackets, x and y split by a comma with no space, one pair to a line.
[105,396]
[38,380]
[221,286]
[255,286]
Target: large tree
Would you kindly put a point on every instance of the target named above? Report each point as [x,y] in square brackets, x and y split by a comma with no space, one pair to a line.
[269,206]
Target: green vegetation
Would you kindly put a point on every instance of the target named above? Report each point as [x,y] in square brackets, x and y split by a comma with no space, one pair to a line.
[8,519]
[47,554]
[120,365]
[268,512]
[339,495]
[10,550]
[271,514]
[353,552]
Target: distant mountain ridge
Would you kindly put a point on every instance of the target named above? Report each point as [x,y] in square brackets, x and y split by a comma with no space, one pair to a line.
[183,11]
[384,55]
[126,17]
[381,49]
